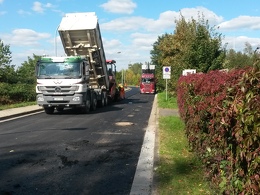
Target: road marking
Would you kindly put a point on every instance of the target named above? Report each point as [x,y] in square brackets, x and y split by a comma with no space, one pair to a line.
[124,123]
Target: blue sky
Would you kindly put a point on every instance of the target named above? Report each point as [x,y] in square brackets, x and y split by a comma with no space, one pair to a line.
[128,27]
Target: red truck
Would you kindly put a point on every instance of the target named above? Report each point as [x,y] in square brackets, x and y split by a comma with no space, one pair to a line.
[148,80]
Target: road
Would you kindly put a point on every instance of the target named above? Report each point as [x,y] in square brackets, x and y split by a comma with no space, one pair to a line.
[70,153]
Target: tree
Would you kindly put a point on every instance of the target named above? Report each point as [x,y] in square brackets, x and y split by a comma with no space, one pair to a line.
[157,56]
[193,45]
[238,59]
[26,72]
[7,71]
[136,68]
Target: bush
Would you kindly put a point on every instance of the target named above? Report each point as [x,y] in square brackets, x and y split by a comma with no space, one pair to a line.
[16,93]
[223,126]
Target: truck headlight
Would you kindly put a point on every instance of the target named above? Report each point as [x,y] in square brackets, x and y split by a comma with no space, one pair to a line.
[76,99]
[39,88]
[40,99]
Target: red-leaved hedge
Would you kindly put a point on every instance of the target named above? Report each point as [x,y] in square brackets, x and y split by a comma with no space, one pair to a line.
[221,111]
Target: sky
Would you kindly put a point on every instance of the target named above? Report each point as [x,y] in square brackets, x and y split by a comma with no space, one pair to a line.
[129,28]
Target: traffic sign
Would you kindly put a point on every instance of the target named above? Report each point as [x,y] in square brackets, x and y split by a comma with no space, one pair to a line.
[166,72]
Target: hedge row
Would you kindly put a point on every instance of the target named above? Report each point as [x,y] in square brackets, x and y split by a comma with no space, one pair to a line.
[16,93]
[221,111]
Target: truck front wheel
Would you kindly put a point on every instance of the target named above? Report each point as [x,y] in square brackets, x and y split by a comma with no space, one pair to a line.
[94,102]
[103,101]
[86,107]
[49,110]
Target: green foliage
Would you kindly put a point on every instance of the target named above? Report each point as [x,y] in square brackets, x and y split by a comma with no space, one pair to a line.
[170,102]
[136,68]
[193,45]
[239,59]
[7,71]
[5,55]
[156,55]
[242,119]
[131,75]
[26,72]
[221,112]
[131,78]
[179,170]
[16,85]
[18,105]
[16,93]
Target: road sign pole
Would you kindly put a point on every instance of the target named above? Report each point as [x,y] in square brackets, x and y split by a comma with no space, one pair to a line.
[166,76]
[166,97]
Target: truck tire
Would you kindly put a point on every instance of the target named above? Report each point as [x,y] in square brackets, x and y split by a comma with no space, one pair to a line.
[86,108]
[49,110]
[94,102]
[101,102]
[105,99]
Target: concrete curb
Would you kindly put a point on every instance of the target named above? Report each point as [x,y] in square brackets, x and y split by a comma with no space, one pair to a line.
[143,180]
[16,112]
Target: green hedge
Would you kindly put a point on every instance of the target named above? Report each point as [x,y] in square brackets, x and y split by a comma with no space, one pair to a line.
[16,93]
[221,112]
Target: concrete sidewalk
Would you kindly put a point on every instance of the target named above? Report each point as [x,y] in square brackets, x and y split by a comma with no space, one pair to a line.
[13,112]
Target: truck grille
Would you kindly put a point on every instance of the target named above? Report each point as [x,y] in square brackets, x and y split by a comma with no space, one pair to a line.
[58,90]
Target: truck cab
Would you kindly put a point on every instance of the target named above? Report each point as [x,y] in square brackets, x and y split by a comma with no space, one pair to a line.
[148,81]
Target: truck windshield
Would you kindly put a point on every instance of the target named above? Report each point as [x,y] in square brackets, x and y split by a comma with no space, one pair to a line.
[147,80]
[50,70]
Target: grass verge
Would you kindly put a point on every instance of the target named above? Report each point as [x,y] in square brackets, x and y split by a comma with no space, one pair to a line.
[169,102]
[179,170]
[23,104]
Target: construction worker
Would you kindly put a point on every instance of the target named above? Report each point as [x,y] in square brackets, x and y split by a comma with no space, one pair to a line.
[121,91]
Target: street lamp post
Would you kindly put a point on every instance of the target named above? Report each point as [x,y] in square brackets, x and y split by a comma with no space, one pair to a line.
[122,79]
[55,40]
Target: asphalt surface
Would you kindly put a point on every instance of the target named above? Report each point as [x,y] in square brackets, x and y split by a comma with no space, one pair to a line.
[143,183]
[143,178]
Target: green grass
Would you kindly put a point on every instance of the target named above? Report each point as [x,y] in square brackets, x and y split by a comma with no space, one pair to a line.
[4,107]
[179,170]
[166,101]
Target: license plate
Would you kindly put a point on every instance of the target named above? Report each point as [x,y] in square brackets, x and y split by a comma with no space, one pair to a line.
[58,99]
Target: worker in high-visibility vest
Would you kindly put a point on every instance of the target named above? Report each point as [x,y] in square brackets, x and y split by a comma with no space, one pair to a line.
[121,91]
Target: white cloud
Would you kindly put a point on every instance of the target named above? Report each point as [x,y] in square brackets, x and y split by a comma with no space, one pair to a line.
[196,13]
[124,24]
[238,43]
[48,5]
[119,6]
[165,21]
[24,37]
[112,45]
[145,31]
[143,41]
[22,12]
[125,54]
[241,22]
[39,7]
[1,1]
[2,13]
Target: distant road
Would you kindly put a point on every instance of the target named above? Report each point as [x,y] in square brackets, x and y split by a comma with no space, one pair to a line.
[72,153]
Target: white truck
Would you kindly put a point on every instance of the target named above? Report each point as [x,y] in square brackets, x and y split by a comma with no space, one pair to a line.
[83,78]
